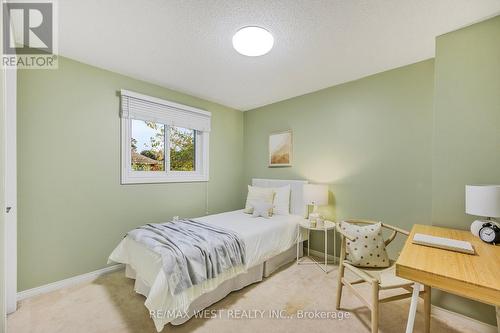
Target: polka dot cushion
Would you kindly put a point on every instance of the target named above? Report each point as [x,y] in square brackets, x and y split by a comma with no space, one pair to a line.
[366,248]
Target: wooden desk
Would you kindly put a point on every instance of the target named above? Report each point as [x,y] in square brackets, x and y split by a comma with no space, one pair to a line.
[472,276]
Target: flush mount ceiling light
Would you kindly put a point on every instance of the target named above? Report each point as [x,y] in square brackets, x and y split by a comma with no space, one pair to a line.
[253,41]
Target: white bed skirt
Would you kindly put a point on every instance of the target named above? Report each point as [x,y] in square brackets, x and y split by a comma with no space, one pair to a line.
[273,264]
[253,275]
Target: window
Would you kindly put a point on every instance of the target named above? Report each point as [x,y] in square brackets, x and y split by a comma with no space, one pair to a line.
[162,141]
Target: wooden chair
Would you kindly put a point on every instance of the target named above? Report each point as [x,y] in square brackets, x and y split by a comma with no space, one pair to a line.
[379,278]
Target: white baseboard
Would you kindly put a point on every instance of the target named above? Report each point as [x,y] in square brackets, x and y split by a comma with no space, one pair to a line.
[87,277]
[320,254]
[436,311]
[469,324]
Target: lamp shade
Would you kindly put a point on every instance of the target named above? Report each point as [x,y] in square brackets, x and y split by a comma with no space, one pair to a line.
[482,200]
[315,194]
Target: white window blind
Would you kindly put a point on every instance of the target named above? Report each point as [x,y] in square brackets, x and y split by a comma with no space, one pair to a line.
[147,108]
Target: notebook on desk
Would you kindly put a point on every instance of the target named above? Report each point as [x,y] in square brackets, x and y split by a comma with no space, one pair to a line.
[443,243]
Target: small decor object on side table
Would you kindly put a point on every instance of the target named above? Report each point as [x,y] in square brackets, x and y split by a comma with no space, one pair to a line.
[484,200]
[326,226]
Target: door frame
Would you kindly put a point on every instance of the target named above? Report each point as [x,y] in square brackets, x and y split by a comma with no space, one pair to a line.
[10,231]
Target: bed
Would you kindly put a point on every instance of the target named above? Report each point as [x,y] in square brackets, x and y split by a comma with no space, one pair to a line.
[270,244]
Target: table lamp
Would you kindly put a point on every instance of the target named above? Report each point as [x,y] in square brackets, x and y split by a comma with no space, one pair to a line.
[315,195]
[482,200]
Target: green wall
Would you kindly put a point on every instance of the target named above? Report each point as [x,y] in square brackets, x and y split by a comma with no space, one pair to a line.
[466,146]
[466,119]
[369,139]
[72,209]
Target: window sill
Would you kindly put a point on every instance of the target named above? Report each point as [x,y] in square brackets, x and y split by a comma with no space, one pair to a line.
[163,179]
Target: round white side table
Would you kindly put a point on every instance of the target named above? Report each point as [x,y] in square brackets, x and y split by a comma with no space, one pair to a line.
[327,225]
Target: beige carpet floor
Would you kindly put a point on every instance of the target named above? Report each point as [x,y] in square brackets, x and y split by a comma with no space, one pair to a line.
[109,304]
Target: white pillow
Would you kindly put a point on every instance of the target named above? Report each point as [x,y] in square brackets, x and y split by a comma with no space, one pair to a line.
[258,194]
[261,208]
[281,200]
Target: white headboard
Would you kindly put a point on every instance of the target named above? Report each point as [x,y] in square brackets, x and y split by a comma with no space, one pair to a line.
[297,205]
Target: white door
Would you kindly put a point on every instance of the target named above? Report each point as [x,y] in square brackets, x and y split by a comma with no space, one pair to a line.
[10,210]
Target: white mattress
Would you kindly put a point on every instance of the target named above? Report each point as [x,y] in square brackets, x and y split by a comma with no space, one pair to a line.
[264,239]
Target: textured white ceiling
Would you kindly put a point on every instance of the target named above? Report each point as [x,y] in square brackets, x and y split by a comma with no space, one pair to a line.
[185,45]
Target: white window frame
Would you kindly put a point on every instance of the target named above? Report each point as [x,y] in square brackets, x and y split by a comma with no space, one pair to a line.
[129,176]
